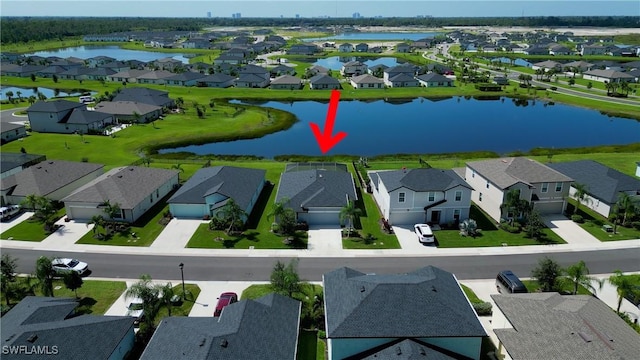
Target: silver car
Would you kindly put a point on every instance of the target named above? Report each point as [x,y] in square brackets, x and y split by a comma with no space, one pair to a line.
[424,233]
[64,265]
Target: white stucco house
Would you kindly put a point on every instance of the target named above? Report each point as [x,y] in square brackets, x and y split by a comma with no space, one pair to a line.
[544,187]
[135,189]
[421,196]
[211,188]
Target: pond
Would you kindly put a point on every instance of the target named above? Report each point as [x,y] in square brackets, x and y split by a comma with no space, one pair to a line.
[519,62]
[357,36]
[436,126]
[26,92]
[116,52]
[336,62]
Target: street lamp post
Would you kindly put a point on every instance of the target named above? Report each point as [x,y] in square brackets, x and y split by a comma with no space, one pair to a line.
[184,294]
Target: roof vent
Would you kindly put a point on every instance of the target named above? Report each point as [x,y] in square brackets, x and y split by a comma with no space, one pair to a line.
[362,289]
[224,343]
[39,167]
[203,341]
[585,337]
[398,350]
[32,338]
[131,169]
[50,162]
[433,288]
[422,351]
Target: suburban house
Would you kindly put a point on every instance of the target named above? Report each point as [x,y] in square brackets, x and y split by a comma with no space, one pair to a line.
[366,81]
[362,47]
[345,47]
[217,80]
[434,80]
[422,314]
[184,79]
[52,326]
[316,191]
[286,82]
[53,179]
[403,48]
[421,196]
[127,76]
[262,329]
[324,82]
[303,49]
[545,188]
[281,70]
[547,65]
[11,131]
[13,163]
[400,76]
[595,49]
[167,63]
[67,117]
[211,188]
[554,326]
[145,96]
[317,69]
[603,183]
[352,68]
[252,81]
[158,77]
[135,189]
[608,76]
[130,111]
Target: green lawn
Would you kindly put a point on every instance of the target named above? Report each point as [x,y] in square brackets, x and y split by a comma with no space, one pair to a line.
[29,230]
[490,235]
[146,229]
[310,347]
[594,221]
[471,295]
[184,308]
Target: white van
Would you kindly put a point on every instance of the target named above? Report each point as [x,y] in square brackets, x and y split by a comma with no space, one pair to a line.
[86,99]
[7,212]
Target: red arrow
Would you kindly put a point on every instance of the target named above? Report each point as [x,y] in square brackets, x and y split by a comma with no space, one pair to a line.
[325,139]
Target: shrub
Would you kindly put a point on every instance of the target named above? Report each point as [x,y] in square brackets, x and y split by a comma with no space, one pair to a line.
[322,334]
[482,308]
[577,219]
[514,229]
[636,225]
[597,222]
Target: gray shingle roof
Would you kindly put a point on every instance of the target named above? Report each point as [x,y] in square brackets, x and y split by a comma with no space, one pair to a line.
[261,329]
[548,326]
[145,96]
[421,180]
[232,182]
[505,172]
[217,78]
[81,337]
[126,107]
[126,186]
[407,349]
[323,79]
[286,80]
[611,74]
[427,302]
[84,116]
[316,188]
[431,77]
[366,79]
[401,77]
[603,182]
[55,106]
[47,176]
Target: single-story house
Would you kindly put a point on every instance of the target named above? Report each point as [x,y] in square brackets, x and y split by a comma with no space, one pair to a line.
[265,328]
[51,116]
[167,63]
[303,49]
[254,70]
[581,65]
[545,188]
[130,111]
[251,81]
[158,77]
[421,196]
[377,70]
[324,82]
[402,80]
[352,68]
[46,328]
[547,65]
[53,179]
[130,76]
[603,183]
[287,82]
[425,312]
[434,80]
[316,191]
[217,80]
[345,47]
[145,96]
[11,131]
[281,70]
[99,73]
[317,69]
[211,188]
[403,48]
[136,189]
[83,121]
[608,76]
[12,163]
[20,70]
[366,81]
[184,79]
[554,326]
[99,60]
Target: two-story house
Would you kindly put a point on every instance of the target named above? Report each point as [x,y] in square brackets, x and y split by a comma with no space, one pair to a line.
[353,68]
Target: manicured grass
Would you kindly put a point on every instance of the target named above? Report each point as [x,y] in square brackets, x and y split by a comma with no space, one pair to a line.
[184,308]
[146,230]
[594,221]
[471,295]
[310,347]
[565,287]
[96,296]
[30,229]
[255,291]
[490,235]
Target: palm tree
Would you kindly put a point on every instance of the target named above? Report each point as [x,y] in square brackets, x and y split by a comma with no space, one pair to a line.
[625,286]
[112,210]
[624,86]
[349,213]
[514,205]
[44,273]
[278,208]
[627,205]
[9,95]
[32,99]
[580,195]
[578,274]
[19,94]
[166,294]
[178,167]
[30,201]
[97,221]
[232,214]
[148,293]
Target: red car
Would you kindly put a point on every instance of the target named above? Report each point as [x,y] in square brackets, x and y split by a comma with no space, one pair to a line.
[224,300]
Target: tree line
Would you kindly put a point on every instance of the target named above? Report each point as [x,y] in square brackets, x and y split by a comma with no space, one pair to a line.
[25,29]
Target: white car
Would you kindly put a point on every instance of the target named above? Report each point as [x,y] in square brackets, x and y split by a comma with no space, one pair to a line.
[424,233]
[64,265]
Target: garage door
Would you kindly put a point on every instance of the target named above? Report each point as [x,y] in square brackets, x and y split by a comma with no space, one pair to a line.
[320,218]
[406,217]
[549,207]
[84,213]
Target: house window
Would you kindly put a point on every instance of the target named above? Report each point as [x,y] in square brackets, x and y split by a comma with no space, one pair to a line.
[401,197]
[473,173]
[487,184]
[458,195]
[456,214]
[480,197]
[545,187]
[432,196]
[558,186]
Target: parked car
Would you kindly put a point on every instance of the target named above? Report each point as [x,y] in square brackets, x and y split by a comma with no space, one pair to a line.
[8,212]
[65,265]
[424,233]
[507,282]
[135,309]
[224,300]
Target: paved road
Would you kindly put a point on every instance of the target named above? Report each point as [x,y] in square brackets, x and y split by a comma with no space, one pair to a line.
[7,116]
[259,268]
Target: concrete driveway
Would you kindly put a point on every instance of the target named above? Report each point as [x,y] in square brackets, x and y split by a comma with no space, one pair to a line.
[571,232]
[409,240]
[325,240]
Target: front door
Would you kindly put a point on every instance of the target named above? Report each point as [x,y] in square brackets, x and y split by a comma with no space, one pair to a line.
[435,217]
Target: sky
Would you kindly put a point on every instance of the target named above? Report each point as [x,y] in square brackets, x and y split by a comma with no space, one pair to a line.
[318,8]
